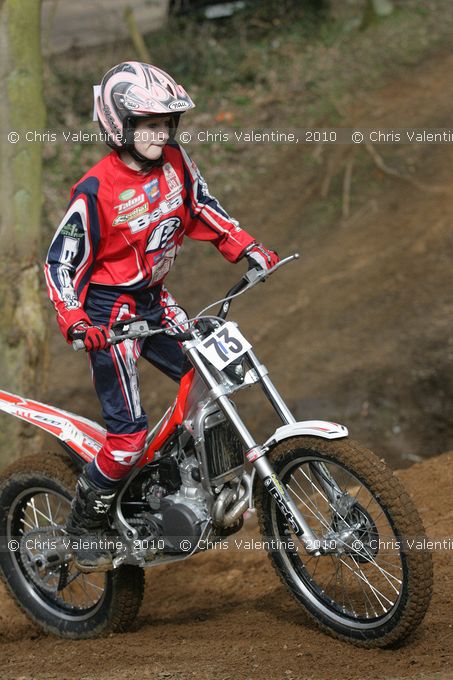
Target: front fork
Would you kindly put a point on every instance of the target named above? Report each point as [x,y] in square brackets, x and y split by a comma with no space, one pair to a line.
[284,502]
[256,454]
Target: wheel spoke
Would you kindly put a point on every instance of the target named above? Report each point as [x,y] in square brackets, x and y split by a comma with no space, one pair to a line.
[376,592]
[320,519]
[37,511]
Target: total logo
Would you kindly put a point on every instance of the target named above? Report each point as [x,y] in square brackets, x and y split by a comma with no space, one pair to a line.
[122,207]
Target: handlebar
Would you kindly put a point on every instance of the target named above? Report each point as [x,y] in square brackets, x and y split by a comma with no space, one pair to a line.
[137,327]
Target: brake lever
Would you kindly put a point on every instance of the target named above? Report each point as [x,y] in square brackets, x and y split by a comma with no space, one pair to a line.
[254,274]
[127,322]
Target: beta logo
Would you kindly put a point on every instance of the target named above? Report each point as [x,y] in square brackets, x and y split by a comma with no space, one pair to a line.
[162,234]
[162,209]
[126,194]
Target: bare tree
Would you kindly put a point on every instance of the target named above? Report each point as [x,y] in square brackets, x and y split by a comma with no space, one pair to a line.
[22,324]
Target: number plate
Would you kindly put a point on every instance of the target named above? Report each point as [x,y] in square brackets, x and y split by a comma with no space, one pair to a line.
[224,345]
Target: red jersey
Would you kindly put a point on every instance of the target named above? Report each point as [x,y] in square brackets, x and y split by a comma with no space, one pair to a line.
[124,229]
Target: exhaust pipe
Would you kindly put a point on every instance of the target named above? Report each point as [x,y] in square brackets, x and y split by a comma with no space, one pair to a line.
[226,518]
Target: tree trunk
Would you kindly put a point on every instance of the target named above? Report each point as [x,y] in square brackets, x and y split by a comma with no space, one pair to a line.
[374,10]
[22,316]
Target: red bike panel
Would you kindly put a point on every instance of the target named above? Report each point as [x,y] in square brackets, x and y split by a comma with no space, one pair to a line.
[172,419]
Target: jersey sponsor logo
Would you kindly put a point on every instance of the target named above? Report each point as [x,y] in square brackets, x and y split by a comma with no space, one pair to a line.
[69,298]
[129,216]
[68,294]
[69,249]
[71,230]
[126,194]
[164,208]
[122,207]
[152,190]
[173,181]
[161,269]
[162,234]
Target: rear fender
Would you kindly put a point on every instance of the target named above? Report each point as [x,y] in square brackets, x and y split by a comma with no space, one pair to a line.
[82,438]
[307,428]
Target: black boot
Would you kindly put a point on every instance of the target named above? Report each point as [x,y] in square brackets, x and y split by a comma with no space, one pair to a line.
[86,523]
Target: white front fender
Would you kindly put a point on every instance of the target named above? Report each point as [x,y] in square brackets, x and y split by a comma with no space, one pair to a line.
[313,428]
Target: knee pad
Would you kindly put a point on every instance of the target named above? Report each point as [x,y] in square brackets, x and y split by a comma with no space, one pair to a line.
[119,454]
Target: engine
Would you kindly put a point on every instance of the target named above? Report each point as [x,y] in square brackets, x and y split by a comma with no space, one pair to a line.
[178,503]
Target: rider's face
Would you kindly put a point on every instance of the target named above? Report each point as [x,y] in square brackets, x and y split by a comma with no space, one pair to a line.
[151,135]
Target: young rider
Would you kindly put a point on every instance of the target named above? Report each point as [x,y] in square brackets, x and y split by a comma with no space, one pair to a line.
[125,224]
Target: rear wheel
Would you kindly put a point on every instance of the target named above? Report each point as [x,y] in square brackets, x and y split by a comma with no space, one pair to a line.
[35,498]
[370,587]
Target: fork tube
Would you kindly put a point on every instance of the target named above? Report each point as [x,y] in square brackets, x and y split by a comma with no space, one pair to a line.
[270,390]
[221,398]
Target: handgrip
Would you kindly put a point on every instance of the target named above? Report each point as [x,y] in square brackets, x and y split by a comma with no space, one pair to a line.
[77,345]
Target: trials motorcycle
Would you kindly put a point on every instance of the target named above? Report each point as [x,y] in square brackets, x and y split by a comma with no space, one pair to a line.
[339,527]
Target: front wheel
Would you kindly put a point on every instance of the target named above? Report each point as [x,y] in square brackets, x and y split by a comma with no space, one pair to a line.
[35,498]
[372,586]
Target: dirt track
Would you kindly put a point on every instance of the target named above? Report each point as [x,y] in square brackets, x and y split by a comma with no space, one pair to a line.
[224,615]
